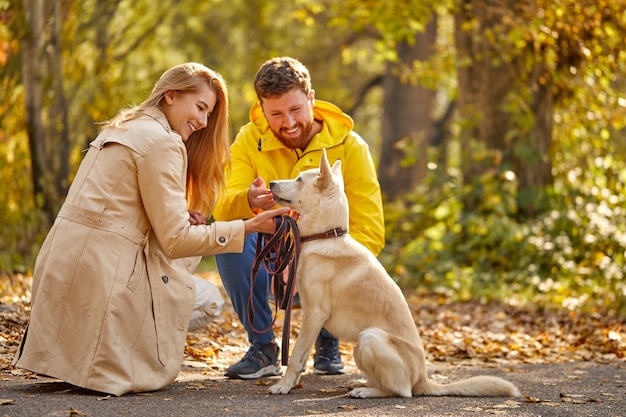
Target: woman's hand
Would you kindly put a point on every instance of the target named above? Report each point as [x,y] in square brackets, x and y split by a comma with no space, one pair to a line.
[196,218]
[264,222]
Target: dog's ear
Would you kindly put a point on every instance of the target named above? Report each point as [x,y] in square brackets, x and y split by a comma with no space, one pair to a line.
[326,172]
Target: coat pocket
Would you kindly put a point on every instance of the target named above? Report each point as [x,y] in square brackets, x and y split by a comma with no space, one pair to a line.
[139,272]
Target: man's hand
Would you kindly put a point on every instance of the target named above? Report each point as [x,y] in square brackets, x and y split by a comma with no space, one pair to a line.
[259,196]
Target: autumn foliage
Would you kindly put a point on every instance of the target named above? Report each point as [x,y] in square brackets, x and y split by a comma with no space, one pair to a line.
[468,332]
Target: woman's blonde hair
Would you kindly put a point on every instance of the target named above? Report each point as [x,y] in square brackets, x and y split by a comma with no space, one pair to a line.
[208,150]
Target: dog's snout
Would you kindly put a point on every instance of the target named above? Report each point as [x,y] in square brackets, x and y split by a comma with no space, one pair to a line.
[272,184]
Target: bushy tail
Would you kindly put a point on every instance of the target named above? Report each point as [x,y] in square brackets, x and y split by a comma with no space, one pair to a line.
[477,386]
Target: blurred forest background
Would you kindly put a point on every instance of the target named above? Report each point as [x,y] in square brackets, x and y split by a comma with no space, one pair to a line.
[497,125]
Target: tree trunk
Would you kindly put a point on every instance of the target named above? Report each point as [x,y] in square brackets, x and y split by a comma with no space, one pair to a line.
[407,120]
[503,107]
[33,69]
[48,137]
[59,133]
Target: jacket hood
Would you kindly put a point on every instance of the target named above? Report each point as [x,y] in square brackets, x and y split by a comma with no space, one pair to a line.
[337,122]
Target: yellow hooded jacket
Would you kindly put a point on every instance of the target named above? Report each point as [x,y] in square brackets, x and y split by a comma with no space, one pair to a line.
[256,152]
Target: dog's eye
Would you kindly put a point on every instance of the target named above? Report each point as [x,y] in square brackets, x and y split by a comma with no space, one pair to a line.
[299,179]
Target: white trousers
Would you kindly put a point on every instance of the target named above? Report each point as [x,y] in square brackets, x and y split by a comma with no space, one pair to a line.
[208,305]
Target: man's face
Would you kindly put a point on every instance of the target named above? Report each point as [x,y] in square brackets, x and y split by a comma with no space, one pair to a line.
[290,117]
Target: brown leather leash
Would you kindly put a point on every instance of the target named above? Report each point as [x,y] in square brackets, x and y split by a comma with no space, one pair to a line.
[277,252]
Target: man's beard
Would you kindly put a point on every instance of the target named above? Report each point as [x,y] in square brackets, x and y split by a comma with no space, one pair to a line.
[299,142]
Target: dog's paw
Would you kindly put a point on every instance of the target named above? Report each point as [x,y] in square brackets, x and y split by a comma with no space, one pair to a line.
[355,383]
[368,392]
[279,389]
[360,392]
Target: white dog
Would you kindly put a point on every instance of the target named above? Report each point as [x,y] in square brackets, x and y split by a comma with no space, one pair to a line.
[345,289]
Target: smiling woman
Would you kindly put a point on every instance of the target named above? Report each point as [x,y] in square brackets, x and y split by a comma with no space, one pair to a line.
[188,111]
[112,297]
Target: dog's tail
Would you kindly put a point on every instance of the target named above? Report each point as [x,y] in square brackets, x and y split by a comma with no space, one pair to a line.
[477,386]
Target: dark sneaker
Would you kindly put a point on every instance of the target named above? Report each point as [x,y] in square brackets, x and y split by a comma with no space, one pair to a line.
[327,360]
[259,361]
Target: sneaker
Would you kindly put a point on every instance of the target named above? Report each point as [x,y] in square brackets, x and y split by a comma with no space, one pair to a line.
[259,361]
[327,360]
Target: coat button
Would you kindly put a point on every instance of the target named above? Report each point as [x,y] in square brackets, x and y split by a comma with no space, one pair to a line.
[222,239]
[165,278]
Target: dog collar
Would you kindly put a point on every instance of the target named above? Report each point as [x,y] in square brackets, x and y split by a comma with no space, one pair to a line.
[336,232]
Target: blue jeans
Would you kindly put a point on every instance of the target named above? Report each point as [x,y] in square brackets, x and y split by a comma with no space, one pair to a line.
[235,270]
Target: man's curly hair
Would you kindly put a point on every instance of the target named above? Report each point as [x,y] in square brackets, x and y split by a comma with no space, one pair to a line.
[280,75]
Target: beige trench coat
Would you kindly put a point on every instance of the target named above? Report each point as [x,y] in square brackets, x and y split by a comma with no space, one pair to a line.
[111,303]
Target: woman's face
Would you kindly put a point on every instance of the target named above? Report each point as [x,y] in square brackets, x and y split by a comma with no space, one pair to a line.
[187,112]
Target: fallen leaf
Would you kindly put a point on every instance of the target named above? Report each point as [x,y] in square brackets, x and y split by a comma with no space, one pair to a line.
[577,399]
[477,409]
[199,386]
[549,403]
[507,404]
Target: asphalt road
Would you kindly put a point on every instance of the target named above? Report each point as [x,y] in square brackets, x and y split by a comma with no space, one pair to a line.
[569,389]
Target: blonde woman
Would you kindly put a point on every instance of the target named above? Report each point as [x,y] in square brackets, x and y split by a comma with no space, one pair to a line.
[113,294]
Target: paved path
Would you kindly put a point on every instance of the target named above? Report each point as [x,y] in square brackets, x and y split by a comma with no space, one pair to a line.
[571,389]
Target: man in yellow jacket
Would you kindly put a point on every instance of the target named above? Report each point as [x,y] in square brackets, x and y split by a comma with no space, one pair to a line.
[287,131]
